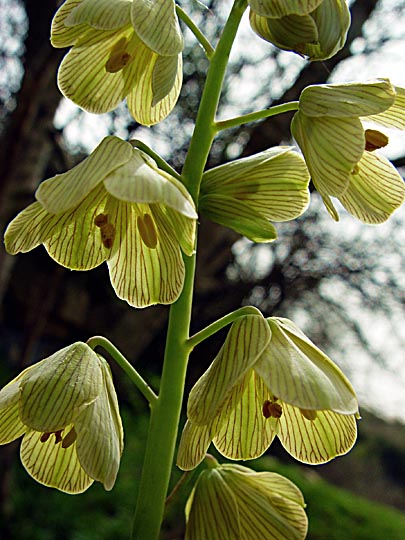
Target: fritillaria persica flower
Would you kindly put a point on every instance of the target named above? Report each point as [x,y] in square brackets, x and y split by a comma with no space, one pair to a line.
[245,194]
[120,49]
[67,411]
[342,155]
[115,206]
[315,29]
[231,502]
[269,379]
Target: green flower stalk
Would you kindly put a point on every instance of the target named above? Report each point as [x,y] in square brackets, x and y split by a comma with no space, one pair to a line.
[120,49]
[231,501]
[67,411]
[115,206]
[315,29]
[342,154]
[245,194]
[269,379]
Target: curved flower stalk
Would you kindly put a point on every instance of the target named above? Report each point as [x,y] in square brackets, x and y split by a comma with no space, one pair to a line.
[245,194]
[341,153]
[231,501]
[278,384]
[316,29]
[115,206]
[120,49]
[67,411]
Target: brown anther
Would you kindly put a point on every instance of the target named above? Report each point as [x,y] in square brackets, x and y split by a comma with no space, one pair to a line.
[308,414]
[119,57]
[375,140]
[100,220]
[107,235]
[147,230]
[272,409]
[69,439]
[45,436]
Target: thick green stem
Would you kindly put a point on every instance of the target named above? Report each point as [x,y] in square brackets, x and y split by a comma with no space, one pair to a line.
[165,414]
[257,115]
[139,382]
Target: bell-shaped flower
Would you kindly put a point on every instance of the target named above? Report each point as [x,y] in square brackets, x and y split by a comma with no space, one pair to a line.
[315,29]
[120,49]
[341,153]
[269,379]
[245,194]
[230,502]
[66,409]
[115,206]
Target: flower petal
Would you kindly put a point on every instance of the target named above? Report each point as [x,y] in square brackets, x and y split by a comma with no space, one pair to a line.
[61,35]
[99,433]
[55,390]
[65,191]
[394,117]
[144,275]
[163,77]
[50,464]
[299,373]
[244,343]
[237,215]
[319,440]
[280,8]
[141,100]
[157,25]
[331,147]
[193,446]
[100,14]
[212,510]
[139,180]
[376,189]
[348,99]
[184,229]
[244,433]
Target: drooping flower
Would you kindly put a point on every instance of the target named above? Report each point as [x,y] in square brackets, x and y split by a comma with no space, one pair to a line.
[230,502]
[115,206]
[316,29]
[342,155]
[66,409]
[120,49]
[245,194]
[269,379]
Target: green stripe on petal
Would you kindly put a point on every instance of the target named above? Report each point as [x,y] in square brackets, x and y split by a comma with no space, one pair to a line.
[101,14]
[244,432]
[299,373]
[331,147]
[139,274]
[157,25]
[99,430]
[394,117]
[346,100]
[184,229]
[193,446]
[244,343]
[140,181]
[319,440]
[239,216]
[61,35]
[375,191]
[52,465]
[56,389]
[280,8]
[163,77]
[64,191]
[141,99]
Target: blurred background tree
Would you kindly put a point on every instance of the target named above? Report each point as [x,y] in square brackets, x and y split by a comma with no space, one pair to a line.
[342,283]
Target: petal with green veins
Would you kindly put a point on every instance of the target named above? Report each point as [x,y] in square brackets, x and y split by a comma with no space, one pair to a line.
[61,35]
[394,117]
[347,100]
[331,147]
[244,343]
[193,446]
[76,381]
[52,465]
[100,14]
[299,373]
[280,8]
[319,440]
[99,434]
[141,98]
[163,77]
[65,191]
[157,25]
[375,191]
[184,229]
[239,216]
